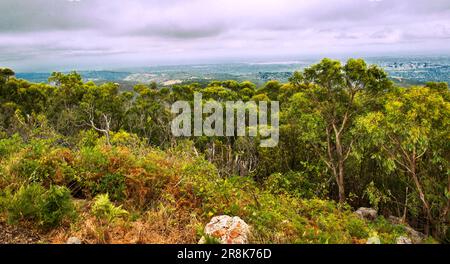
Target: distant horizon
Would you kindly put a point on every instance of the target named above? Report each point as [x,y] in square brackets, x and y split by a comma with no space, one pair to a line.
[255,61]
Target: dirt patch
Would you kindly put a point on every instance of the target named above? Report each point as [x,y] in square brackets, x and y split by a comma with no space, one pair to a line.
[17,235]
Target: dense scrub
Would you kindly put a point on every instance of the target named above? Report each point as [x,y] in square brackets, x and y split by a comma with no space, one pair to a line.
[169,194]
[81,159]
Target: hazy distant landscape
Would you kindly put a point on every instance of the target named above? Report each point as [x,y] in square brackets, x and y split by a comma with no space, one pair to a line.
[402,70]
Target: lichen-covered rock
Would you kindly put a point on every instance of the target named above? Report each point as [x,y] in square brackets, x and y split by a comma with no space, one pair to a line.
[367,213]
[73,240]
[373,240]
[403,240]
[228,230]
[395,220]
[415,236]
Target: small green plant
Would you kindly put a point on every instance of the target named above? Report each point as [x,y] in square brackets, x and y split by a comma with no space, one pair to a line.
[105,210]
[48,208]
[205,238]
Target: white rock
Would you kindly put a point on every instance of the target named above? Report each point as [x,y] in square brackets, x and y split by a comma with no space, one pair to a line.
[228,230]
[74,241]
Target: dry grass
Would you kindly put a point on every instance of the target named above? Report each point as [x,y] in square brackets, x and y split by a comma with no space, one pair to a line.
[160,226]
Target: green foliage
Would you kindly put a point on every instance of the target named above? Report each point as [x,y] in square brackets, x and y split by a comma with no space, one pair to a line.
[26,203]
[92,159]
[87,138]
[48,208]
[112,184]
[291,183]
[10,145]
[387,232]
[57,205]
[105,210]
[346,133]
[375,196]
[358,228]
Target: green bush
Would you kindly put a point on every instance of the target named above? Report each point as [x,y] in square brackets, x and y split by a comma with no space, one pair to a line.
[87,138]
[112,184]
[27,169]
[292,183]
[357,228]
[57,204]
[26,203]
[48,208]
[92,159]
[10,145]
[386,231]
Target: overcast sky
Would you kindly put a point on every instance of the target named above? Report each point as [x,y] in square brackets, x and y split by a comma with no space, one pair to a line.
[106,34]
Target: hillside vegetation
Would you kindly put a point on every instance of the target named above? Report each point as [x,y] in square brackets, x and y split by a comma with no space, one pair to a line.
[94,162]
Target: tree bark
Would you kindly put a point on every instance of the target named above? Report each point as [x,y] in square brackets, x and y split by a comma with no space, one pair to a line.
[420,190]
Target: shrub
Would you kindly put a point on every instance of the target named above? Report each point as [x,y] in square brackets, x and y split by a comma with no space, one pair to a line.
[292,183]
[123,138]
[27,169]
[386,231]
[87,138]
[92,159]
[26,202]
[357,228]
[10,145]
[48,208]
[113,184]
[57,205]
[105,210]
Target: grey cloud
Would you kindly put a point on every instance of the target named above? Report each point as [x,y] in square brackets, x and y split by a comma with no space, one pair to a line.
[175,31]
[42,15]
[156,30]
[381,34]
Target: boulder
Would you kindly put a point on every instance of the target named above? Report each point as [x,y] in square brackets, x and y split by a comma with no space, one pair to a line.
[414,236]
[73,241]
[373,240]
[367,213]
[227,229]
[395,220]
[403,240]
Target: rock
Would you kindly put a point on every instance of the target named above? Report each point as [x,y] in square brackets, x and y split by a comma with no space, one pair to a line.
[228,230]
[367,213]
[395,220]
[73,241]
[403,240]
[373,240]
[416,236]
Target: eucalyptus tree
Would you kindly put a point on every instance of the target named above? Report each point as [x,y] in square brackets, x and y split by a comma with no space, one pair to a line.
[412,132]
[330,97]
